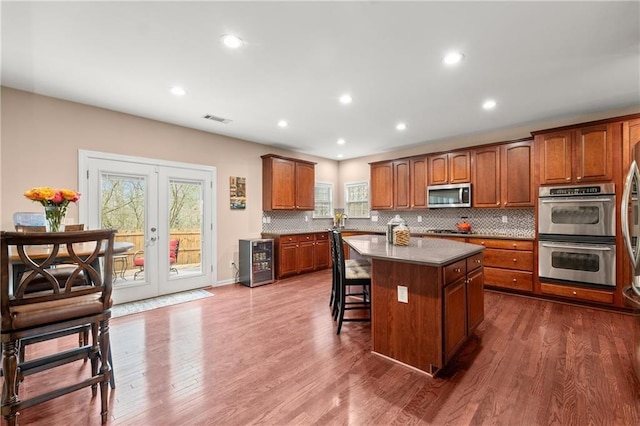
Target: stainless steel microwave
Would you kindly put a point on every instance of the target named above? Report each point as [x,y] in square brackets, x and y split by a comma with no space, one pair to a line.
[455,195]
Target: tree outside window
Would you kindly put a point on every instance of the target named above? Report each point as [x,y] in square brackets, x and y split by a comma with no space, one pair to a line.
[356,200]
[323,200]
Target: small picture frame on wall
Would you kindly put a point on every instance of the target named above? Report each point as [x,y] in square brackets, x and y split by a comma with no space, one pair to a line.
[238,192]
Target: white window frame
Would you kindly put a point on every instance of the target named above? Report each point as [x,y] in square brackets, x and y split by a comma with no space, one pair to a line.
[347,201]
[329,186]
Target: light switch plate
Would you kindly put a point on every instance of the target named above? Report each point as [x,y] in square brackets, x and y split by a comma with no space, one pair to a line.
[403,294]
[419,218]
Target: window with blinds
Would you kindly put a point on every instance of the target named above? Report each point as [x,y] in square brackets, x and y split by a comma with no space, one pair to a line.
[356,199]
[323,200]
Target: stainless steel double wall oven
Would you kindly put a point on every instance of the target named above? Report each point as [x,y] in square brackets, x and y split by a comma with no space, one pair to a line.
[577,234]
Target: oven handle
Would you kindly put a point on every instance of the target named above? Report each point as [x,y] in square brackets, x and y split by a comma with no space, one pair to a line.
[593,248]
[549,201]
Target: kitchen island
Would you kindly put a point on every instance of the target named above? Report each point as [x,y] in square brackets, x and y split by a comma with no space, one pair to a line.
[426,298]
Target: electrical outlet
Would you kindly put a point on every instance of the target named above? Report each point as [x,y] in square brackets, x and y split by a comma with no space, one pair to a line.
[505,219]
[403,294]
[374,218]
[232,264]
[419,218]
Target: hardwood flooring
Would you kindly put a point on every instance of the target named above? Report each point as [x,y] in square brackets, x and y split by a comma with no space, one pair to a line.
[270,355]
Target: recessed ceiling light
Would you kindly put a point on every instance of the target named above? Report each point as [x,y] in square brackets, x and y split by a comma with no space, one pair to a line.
[178,91]
[282,123]
[231,41]
[489,104]
[401,126]
[341,141]
[452,58]
[340,155]
[345,99]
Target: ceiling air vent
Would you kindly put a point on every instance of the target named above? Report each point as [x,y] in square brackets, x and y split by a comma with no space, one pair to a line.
[218,119]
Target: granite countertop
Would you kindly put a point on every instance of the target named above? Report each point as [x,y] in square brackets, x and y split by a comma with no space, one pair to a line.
[424,251]
[416,233]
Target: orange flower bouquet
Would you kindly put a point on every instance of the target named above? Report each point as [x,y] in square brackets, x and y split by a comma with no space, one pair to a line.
[55,202]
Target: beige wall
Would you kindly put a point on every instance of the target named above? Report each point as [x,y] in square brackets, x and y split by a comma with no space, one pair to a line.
[357,169]
[40,138]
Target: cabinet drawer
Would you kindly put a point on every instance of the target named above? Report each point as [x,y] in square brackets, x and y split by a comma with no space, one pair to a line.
[454,271]
[320,237]
[591,295]
[289,239]
[474,262]
[306,237]
[505,278]
[509,259]
[503,244]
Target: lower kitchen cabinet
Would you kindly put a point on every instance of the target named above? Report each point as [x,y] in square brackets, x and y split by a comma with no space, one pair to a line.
[577,293]
[508,263]
[463,302]
[301,253]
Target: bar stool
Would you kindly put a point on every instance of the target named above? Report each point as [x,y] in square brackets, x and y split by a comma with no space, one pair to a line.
[356,275]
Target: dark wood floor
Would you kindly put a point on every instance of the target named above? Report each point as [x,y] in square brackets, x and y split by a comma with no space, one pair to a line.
[269,355]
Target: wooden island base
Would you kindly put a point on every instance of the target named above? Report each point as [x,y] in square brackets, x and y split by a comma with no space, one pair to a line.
[423,311]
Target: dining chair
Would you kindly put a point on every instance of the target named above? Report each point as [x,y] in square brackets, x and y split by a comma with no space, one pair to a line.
[358,276]
[63,306]
[74,227]
[30,228]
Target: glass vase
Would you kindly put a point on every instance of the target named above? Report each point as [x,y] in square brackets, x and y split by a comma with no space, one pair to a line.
[55,218]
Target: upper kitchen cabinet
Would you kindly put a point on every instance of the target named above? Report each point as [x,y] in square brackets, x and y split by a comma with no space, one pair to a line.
[516,160]
[577,155]
[502,175]
[399,184]
[452,167]
[287,183]
[486,180]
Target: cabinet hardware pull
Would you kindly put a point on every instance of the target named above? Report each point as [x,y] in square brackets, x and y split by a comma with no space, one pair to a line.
[477,260]
[498,203]
[515,280]
[579,177]
[515,245]
[482,243]
[575,293]
[568,179]
[456,270]
[515,260]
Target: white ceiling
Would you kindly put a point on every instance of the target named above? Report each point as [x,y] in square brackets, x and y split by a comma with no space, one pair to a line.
[538,60]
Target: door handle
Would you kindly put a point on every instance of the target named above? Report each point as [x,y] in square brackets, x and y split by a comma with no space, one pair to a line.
[599,199]
[634,173]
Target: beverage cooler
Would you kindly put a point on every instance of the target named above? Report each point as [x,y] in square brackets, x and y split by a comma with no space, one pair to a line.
[256,262]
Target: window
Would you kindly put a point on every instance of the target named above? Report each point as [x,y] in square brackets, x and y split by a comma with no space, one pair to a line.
[356,199]
[324,200]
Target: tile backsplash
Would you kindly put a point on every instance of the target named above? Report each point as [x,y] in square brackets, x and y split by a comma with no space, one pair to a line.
[508,222]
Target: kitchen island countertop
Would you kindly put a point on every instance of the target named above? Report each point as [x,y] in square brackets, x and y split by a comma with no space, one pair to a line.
[424,251]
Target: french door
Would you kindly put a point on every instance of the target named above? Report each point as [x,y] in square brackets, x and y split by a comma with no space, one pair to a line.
[163,209]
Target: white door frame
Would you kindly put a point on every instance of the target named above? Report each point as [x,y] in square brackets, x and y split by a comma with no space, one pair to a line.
[209,236]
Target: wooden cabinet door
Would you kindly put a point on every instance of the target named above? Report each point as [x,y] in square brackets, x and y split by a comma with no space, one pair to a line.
[438,169]
[418,172]
[288,259]
[455,313]
[486,177]
[459,167]
[555,157]
[401,184]
[475,299]
[322,254]
[306,251]
[283,194]
[517,174]
[382,186]
[593,153]
[305,186]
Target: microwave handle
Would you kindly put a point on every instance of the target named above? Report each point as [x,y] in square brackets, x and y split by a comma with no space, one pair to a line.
[460,195]
[549,201]
[568,246]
